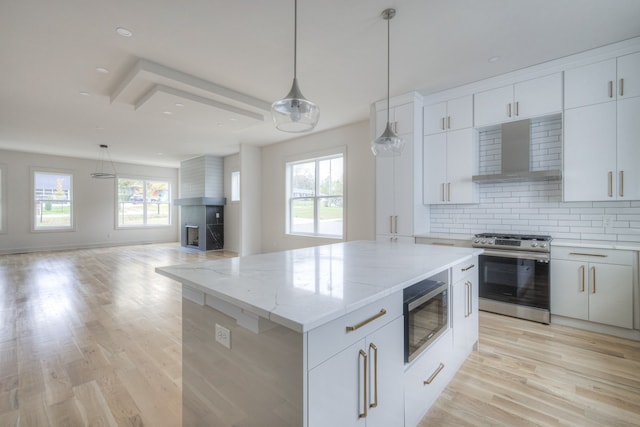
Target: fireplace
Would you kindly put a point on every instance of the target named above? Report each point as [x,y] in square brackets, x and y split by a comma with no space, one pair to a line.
[203,222]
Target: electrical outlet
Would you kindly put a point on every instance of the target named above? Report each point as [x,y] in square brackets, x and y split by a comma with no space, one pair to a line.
[607,221]
[223,336]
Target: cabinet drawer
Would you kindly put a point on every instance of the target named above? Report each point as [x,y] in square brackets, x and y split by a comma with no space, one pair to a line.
[606,256]
[331,338]
[436,366]
[464,269]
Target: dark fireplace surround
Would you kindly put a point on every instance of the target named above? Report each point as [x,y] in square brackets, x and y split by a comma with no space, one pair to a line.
[202,222]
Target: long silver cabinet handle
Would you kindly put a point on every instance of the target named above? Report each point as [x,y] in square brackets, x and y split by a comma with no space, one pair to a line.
[434,375]
[517,108]
[582,269]
[448,191]
[363,414]
[610,88]
[442,123]
[621,183]
[621,87]
[593,270]
[587,254]
[448,122]
[610,184]
[373,347]
[391,224]
[509,110]
[395,224]
[381,313]
[468,268]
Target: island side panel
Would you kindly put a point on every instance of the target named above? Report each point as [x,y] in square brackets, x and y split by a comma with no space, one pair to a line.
[258,382]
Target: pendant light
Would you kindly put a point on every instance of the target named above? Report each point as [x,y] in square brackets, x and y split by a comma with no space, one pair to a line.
[388,144]
[295,113]
[101,172]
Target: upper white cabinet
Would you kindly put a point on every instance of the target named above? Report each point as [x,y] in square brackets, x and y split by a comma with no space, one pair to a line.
[602,81]
[531,98]
[449,163]
[449,115]
[601,131]
[399,209]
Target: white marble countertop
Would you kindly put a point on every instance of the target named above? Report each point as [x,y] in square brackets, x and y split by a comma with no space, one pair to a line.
[305,288]
[597,244]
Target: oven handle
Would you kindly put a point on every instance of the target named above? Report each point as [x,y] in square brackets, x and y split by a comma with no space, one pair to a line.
[542,257]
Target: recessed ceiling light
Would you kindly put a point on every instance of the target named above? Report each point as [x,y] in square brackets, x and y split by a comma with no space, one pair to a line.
[179,105]
[83,93]
[159,154]
[168,113]
[102,70]
[123,32]
[99,128]
[494,59]
[233,119]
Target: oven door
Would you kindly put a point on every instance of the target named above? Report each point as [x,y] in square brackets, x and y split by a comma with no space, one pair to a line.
[515,277]
[426,318]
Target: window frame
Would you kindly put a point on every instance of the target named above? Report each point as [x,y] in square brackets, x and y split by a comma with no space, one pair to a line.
[145,202]
[71,199]
[316,157]
[3,199]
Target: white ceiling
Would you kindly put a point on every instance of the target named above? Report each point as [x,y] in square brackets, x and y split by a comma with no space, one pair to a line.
[240,53]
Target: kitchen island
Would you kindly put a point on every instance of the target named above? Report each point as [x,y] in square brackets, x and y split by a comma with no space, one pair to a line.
[266,339]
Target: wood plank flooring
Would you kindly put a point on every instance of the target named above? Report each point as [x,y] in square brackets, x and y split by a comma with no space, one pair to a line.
[93,337]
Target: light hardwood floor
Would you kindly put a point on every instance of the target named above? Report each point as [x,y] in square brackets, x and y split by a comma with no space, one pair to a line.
[93,337]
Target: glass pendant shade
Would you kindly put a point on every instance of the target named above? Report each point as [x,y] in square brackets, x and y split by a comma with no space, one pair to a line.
[295,113]
[388,144]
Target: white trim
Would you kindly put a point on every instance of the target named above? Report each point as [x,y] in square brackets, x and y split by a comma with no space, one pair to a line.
[144,180]
[4,199]
[52,171]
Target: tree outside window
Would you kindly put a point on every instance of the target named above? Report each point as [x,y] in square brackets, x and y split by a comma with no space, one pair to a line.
[143,202]
[53,202]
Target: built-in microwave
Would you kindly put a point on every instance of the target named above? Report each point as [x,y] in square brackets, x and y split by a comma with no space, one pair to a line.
[426,316]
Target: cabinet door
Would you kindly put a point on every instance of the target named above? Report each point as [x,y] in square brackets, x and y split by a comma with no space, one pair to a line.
[403,117]
[611,294]
[434,118]
[590,153]
[336,389]
[570,289]
[537,97]
[386,408]
[591,84]
[434,168]
[403,188]
[628,148]
[460,113]
[629,72]
[460,165]
[385,194]
[493,106]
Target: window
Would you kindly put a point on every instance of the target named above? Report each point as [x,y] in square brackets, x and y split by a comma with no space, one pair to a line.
[235,186]
[53,200]
[143,202]
[3,203]
[315,197]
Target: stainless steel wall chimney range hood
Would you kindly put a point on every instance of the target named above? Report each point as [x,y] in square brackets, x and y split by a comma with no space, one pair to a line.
[515,157]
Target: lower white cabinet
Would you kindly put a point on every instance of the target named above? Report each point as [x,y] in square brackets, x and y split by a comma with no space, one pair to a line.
[593,285]
[362,384]
[427,378]
[464,297]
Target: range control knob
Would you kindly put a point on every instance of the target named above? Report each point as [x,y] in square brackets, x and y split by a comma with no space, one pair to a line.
[544,245]
[534,244]
[476,241]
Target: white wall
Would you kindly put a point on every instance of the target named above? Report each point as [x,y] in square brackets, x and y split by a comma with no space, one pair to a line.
[360,185]
[232,210]
[94,205]
[252,205]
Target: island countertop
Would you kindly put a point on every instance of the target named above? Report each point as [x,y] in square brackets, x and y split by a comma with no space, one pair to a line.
[305,288]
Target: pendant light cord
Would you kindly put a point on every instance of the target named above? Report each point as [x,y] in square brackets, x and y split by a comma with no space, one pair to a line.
[388,64]
[295,37]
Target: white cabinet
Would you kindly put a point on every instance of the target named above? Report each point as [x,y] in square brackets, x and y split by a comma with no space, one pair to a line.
[362,384]
[601,142]
[531,98]
[602,81]
[465,307]
[427,377]
[593,285]
[448,115]
[399,209]
[449,163]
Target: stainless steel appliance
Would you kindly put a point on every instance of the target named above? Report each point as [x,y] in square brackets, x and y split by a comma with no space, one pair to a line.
[426,315]
[514,275]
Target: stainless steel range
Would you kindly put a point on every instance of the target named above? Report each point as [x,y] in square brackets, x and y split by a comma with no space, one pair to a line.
[514,275]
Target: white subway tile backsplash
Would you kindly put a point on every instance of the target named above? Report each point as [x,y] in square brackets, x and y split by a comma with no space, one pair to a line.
[535,207]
